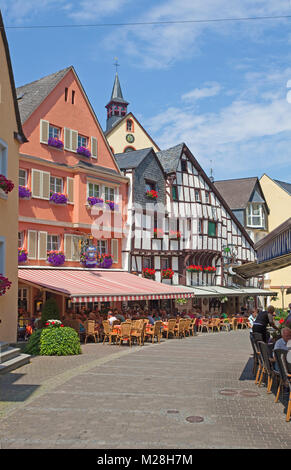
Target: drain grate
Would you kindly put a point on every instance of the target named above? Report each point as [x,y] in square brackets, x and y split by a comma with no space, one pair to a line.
[228,392]
[173,411]
[249,393]
[242,393]
[194,419]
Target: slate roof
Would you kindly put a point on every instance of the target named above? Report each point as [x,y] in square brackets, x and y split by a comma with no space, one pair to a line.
[132,159]
[286,186]
[116,94]
[170,158]
[236,192]
[31,95]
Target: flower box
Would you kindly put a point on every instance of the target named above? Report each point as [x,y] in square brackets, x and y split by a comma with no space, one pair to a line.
[56,258]
[105,261]
[92,201]
[152,194]
[5,184]
[24,193]
[209,268]
[83,151]
[5,284]
[55,143]
[194,268]
[175,234]
[112,205]
[149,273]
[59,199]
[22,255]
[167,273]
[158,233]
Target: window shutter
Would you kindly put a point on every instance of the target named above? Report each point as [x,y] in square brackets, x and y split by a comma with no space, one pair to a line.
[44,131]
[31,247]
[74,142]
[36,183]
[67,138]
[114,250]
[76,248]
[68,247]
[42,245]
[45,185]
[70,190]
[94,147]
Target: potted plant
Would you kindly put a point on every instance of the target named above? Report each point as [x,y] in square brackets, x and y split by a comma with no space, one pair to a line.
[149,273]
[22,255]
[158,233]
[194,268]
[209,268]
[92,201]
[105,261]
[24,193]
[59,199]
[83,151]
[152,194]
[56,258]
[54,142]
[167,273]
[5,184]
[5,284]
[112,205]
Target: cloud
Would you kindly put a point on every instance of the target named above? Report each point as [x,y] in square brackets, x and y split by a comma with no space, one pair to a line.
[200,93]
[88,10]
[20,11]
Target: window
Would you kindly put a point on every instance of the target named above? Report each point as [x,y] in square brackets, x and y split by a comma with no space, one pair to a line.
[256,215]
[54,132]
[52,242]
[109,194]
[82,141]
[93,190]
[150,186]
[147,263]
[175,193]
[22,300]
[165,263]
[56,184]
[102,246]
[20,239]
[22,178]
[66,94]
[129,125]
[3,158]
[129,149]
[123,111]
[197,195]
[211,229]
[200,226]
[184,166]
[207,197]
[73,96]
[214,213]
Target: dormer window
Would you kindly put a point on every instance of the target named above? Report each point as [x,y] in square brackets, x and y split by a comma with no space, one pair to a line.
[256,215]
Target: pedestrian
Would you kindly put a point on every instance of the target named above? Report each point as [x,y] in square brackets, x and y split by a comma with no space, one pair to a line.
[264,319]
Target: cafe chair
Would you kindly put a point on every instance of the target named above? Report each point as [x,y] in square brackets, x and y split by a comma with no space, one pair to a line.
[285,376]
[90,330]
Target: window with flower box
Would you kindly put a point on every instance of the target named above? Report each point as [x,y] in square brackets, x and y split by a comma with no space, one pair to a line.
[102,246]
[56,184]
[52,242]
[82,141]
[150,185]
[165,263]
[20,239]
[109,193]
[54,132]
[22,178]
[147,263]
[93,190]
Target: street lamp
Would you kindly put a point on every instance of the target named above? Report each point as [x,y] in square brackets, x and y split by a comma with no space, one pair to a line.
[282,288]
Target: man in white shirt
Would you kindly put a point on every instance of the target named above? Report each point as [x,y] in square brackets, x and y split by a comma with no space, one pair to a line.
[111,317]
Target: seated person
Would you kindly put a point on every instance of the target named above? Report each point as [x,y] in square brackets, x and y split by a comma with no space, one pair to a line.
[111,318]
[281,343]
[151,319]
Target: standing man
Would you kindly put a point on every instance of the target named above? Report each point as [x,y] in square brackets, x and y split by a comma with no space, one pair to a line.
[263,320]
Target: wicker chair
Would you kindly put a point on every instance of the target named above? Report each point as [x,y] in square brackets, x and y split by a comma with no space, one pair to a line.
[155,331]
[268,364]
[125,333]
[187,326]
[90,330]
[108,333]
[204,324]
[138,331]
[191,326]
[170,329]
[180,328]
[285,376]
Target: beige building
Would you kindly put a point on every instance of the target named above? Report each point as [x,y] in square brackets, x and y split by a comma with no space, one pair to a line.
[11,135]
[278,197]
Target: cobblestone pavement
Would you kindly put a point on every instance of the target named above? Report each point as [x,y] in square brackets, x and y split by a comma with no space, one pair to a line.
[120,397]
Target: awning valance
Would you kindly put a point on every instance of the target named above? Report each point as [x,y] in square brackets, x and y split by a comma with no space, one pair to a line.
[101,286]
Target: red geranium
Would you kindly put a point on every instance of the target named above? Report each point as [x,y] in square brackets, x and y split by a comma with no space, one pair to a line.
[152,194]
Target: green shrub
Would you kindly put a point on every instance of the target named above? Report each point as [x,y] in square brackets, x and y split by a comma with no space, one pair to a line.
[61,341]
[33,345]
[50,311]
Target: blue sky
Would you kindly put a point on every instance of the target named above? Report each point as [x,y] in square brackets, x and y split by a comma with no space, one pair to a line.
[219,87]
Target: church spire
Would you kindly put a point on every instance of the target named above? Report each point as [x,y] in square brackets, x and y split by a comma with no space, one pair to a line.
[117,106]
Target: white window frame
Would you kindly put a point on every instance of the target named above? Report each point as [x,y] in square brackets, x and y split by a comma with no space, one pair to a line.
[36,243]
[3,158]
[25,177]
[99,245]
[251,215]
[110,188]
[199,194]
[49,235]
[41,183]
[54,128]
[83,137]
[20,239]
[54,184]
[94,184]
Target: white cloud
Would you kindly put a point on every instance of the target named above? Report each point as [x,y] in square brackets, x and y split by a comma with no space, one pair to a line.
[200,93]
[88,10]
[21,11]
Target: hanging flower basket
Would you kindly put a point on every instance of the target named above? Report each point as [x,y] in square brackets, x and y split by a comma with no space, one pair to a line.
[83,151]
[5,284]
[209,268]
[158,233]
[167,273]
[55,143]
[181,301]
[56,258]
[105,261]
[112,205]
[92,201]
[59,199]
[5,184]
[22,255]
[194,268]
[149,273]
[152,194]
[24,193]
[175,234]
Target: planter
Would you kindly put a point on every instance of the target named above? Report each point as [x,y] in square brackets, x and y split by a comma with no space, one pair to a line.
[175,235]
[149,273]
[5,284]
[56,258]
[84,152]
[58,199]
[55,143]
[158,233]
[22,255]
[106,261]
[112,205]
[93,201]
[24,193]
[152,195]
[194,268]
[5,184]
[209,268]
[89,259]
[167,273]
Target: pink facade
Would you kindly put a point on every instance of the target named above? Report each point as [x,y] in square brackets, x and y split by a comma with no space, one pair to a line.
[66,113]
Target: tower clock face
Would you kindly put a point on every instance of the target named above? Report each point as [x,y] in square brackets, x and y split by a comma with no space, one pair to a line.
[130,138]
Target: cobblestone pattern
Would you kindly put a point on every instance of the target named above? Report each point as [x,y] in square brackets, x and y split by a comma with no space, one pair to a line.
[117,397]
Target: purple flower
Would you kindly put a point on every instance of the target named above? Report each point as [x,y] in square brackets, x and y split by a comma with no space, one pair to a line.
[112,205]
[84,151]
[106,261]
[58,198]
[56,258]
[22,255]
[92,201]
[55,143]
[24,193]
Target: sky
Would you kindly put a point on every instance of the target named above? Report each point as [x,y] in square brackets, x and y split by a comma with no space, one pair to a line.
[223,88]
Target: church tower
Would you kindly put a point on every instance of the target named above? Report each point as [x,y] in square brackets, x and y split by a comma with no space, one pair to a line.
[117,106]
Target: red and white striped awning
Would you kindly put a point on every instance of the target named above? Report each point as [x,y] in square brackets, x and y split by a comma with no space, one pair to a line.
[101,286]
